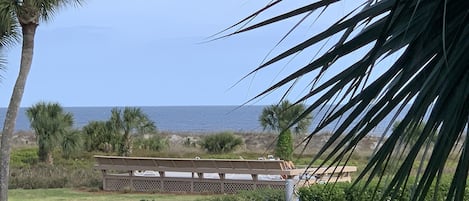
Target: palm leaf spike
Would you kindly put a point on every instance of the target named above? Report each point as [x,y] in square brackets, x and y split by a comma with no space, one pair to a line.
[339,112]
[424,56]
[244,21]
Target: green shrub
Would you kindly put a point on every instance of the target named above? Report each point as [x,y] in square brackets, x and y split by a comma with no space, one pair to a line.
[220,143]
[256,195]
[24,157]
[154,143]
[63,174]
[284,148]
[343,192]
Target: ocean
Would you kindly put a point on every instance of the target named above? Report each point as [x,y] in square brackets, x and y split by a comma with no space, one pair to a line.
[190,119]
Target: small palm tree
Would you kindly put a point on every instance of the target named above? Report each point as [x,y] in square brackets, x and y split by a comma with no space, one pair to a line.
[27,15]
[131,121]
[283,118]
[50,123]
[98,136]
[71,143]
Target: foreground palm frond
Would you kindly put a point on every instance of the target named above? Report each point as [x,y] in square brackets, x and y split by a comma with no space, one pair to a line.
[430,75]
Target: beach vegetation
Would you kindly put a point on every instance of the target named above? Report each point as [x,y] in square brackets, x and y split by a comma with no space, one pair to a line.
[224,142]
[71,143]
[150,143]
[99,137]
[264,194]
[283,118]
[378,58]
[52,126]
[127,122]
[350,192]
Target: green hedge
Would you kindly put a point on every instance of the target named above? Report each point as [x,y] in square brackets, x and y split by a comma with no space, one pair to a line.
[343,192]
[257,195]
[221,143]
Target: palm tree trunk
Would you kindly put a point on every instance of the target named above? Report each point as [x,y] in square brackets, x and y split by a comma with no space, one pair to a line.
[126,145]
[29,31]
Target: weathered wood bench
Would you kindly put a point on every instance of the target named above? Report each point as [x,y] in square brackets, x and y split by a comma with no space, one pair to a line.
[200,175]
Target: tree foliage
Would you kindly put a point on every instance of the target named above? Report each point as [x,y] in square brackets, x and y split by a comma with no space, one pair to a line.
[99,137]
[284,146]
[50,124]
[283,118]
[152,143]
[71,143]
[116,133]
[425,42]
[128,122]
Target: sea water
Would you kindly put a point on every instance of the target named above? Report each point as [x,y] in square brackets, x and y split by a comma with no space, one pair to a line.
[194,119]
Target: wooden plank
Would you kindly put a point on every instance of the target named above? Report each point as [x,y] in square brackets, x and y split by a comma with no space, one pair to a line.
[267,167]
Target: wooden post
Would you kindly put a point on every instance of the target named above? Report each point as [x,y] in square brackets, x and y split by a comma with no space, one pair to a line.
[222,176]
[104,179]
[222,182]
[254,177]
[131,185]
[200,175]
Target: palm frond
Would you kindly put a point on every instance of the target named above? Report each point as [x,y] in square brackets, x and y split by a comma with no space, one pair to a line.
[9,34]
[427,43]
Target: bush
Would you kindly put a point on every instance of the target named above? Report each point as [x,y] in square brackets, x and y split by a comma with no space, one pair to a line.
[284,148]
[343,192]
[154,143]
[27,173]
[24,157]
[256,195]
[220,143]
[48,176]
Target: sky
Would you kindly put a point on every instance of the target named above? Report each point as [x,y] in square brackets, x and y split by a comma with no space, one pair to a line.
[156,53]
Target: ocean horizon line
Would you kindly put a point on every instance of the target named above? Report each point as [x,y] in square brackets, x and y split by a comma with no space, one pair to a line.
[197,119]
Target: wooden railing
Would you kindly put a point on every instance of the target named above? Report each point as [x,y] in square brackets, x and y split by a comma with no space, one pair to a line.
[205,175]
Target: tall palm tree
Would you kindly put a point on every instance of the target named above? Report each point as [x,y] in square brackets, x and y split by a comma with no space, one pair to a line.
[8,34]
[26,14]
[131,121]
[280,118]
[50,124]
[425,42]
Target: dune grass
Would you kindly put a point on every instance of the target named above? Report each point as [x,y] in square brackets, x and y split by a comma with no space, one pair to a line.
[65,194]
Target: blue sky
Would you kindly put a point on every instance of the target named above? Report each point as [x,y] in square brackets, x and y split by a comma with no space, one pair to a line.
[152,53]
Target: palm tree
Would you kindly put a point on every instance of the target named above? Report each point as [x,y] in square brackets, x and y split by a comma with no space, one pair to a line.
[70,143]
[280,118]
[26,14]
[131,121]
[425,48]
[98,136]
[50,123]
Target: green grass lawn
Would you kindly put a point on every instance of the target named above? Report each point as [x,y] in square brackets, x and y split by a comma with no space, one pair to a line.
[65,194]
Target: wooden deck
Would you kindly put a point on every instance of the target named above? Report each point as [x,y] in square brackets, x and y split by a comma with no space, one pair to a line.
[204,175]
